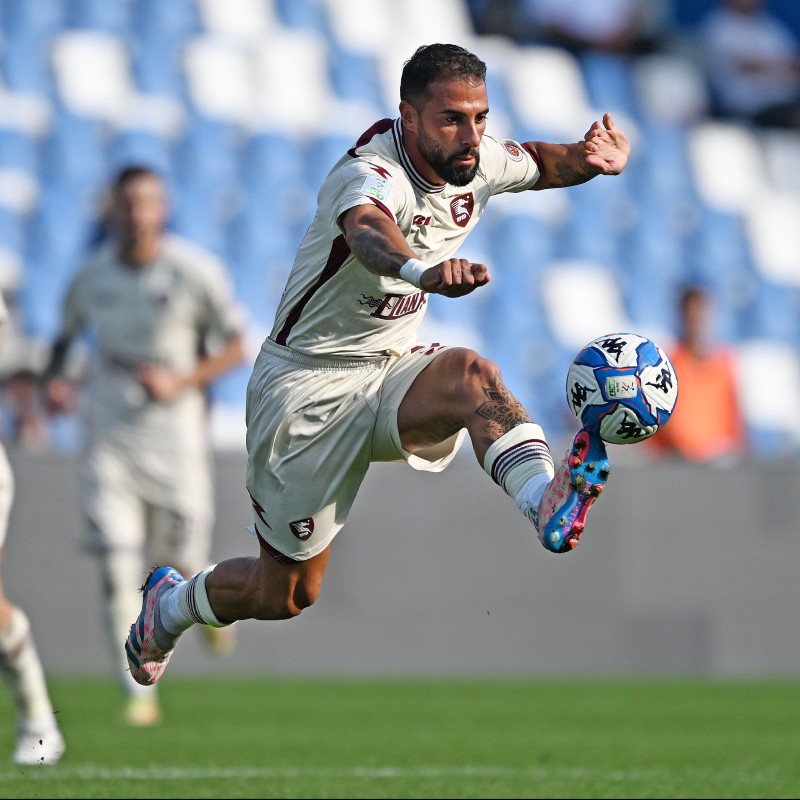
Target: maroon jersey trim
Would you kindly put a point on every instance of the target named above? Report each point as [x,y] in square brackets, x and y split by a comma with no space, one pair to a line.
[339,253]
[381,126]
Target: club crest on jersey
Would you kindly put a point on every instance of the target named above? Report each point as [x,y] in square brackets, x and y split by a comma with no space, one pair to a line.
[302,528]
[514,153]
[378,187]
[461,208]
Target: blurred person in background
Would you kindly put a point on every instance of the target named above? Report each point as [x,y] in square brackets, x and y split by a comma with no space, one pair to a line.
[164,323]
[39,740]
[614,27]
[23,420]
[707,425]
[342,380]
[752,60]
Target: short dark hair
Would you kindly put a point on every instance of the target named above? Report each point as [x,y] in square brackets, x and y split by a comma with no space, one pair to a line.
[131,172]
[693,292]
[433,62]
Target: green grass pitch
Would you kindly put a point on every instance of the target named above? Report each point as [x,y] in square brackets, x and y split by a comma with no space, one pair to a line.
[448,738]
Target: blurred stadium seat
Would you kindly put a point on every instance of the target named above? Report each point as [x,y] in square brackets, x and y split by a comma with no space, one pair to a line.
[609,82]
[111,16]
[770,382]
[92,72]
[713,148]
[558,107]
[670,88]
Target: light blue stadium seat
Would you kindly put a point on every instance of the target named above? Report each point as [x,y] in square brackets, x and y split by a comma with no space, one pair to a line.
[259,234]
[322,152]
[207,183]
[28,21]
[609,83]
[140,148]
[198,217]
[53,260]
[208,153]
[25,65]
[74,152]
[111,16]
[520,244]
[156,65]
[720,258]
[662,166]
[354,76]
[774,313]
[271,162]
[166,21]
[587,236]
[12,231]
[302,14]
[261,248]
[18,150]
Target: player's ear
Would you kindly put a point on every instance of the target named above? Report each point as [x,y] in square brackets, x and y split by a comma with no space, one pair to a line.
[409,115]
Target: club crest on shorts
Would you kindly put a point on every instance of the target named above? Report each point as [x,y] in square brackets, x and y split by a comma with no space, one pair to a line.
[302,528]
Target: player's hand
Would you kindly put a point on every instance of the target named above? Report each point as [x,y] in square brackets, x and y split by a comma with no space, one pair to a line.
[161,384]
[455,277]
[606,148]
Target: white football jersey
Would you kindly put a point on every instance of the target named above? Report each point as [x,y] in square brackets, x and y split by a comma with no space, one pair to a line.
[160,314]
[332,305]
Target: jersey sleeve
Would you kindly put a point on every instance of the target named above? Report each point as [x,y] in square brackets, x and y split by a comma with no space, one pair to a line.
[222,314]
[363,181]
[508,166]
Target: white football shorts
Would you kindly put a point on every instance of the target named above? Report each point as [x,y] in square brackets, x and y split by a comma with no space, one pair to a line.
[314,425]
[168,515]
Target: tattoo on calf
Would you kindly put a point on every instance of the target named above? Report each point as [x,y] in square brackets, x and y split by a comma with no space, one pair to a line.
[501,410]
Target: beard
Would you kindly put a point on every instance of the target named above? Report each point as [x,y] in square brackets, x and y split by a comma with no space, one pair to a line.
[446,166]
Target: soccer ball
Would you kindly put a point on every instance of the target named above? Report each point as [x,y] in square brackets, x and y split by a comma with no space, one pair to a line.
[622,385]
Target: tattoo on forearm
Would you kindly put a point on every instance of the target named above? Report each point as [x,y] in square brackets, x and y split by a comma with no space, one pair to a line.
[569,176]
[501,410]
[371,249]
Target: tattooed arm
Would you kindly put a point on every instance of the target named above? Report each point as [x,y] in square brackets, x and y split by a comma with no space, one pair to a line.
[603,150]
[380,246]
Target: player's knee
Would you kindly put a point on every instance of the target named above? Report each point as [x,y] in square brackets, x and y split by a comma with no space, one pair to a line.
[477,373]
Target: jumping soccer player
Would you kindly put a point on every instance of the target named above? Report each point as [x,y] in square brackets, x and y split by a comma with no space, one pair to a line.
[342,381]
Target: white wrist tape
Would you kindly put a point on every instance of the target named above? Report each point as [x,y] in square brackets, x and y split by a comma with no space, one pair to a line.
[412,271]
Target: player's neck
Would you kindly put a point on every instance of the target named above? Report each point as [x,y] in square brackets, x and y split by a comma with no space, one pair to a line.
[139,252]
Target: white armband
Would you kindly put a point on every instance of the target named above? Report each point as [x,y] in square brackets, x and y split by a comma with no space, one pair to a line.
[412,271]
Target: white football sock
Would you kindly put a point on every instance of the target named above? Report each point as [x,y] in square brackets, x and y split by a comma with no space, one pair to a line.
[23,674]
[187,603]
[121,578]
[521,463]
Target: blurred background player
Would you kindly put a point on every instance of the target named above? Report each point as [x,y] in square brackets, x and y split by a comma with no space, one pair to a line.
[707,425]
[164,324]
[39,738]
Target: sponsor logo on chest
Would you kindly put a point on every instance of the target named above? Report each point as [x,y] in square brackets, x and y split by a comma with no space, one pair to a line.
[394,306]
